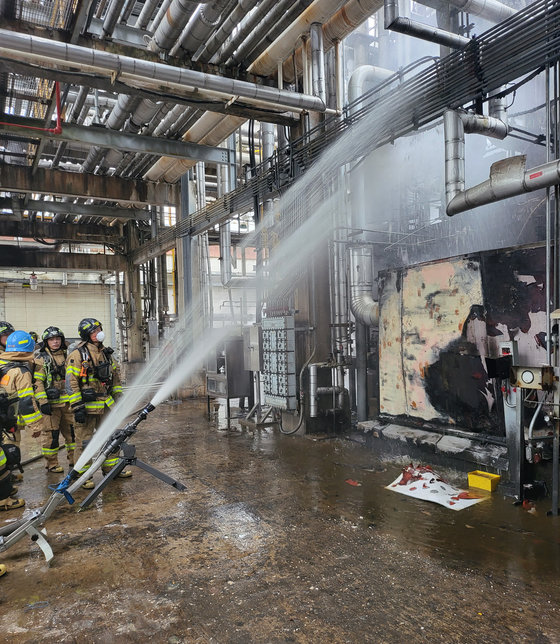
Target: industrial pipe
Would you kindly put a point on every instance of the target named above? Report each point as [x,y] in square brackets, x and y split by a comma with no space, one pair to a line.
[455,125]
[508,178]
[410,27]
[318,11]
[363,79]
[362,304]
[49,53]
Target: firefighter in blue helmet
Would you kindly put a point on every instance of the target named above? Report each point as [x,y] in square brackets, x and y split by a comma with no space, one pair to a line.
[92,384]
[16,387]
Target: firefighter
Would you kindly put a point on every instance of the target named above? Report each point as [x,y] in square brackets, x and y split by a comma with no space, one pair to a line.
[50,393]
[92,383]
[16,383]
[13,431]
[7,490]
[5,329]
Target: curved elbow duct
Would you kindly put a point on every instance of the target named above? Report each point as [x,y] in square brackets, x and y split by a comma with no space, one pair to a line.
[455,126]
[362,304]
[363,79]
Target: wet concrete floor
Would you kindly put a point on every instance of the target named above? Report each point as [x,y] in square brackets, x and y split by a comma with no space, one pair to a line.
[269,543]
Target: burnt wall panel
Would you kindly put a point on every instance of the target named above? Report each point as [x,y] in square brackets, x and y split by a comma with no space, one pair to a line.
[392,395]
[439,322]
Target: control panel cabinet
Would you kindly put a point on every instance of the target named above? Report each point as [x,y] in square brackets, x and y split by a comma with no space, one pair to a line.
[226,376]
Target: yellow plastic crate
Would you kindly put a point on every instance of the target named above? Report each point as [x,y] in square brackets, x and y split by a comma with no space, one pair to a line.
[484,480]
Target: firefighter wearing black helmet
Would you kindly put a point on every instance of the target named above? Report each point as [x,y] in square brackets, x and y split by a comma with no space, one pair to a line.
[5,330]
[50,393]
[92,383]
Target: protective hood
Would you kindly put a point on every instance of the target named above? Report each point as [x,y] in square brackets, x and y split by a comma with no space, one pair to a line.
[17,356]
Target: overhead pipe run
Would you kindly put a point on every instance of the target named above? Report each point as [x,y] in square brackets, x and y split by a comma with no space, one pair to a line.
[362,304]
[202,23]
[135,71]
[205,53]
[319,11]
[394,22]
[171,24]
[456,125]
[508,178]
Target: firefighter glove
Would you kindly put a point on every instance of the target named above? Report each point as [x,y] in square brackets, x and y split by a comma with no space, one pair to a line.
[80,414]
[46,409]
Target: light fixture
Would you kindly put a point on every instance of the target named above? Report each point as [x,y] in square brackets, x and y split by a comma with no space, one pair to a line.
[33,282]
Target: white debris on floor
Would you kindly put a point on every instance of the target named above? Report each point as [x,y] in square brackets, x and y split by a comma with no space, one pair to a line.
[423,483]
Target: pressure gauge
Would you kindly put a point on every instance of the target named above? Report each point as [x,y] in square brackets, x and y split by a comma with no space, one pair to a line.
[527,377]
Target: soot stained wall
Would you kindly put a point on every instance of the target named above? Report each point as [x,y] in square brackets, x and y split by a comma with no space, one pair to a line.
[438,323]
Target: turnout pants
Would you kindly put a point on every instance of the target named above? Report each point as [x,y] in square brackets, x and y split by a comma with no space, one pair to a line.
[83,432]
[61,421]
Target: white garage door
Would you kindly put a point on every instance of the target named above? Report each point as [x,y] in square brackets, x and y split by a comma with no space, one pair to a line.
[61,306]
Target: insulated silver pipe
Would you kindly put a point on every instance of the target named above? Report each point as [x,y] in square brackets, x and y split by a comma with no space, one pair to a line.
[489,9]
[394,22]
[226,29]
[159,15]
[313,407]
[281,48]
[362,304]
[245,28]
[252,39]
[112,16]
[14,46]
[146,13]
[455,125]
[201,24]
[454,134]
[318,61]
[508,178]
[171,25]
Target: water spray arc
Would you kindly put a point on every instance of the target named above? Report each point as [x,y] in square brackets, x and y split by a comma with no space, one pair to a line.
[31,526]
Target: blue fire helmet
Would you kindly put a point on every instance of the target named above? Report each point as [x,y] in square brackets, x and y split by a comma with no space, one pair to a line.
[19,341]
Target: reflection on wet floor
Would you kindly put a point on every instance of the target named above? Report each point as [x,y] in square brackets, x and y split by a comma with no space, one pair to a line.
[277,538]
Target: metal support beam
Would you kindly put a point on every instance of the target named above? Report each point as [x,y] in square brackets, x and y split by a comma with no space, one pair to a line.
[83,233]
[18,206]
[89,186]
[122,141]
[29,258]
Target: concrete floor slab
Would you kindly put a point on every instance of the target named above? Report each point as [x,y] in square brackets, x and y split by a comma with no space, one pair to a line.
[271,542]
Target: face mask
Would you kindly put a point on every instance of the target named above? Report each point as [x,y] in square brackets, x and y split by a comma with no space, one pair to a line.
[100,336]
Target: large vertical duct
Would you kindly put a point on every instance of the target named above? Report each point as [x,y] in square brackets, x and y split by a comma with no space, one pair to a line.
[318,61]
[362,304]
[366,312]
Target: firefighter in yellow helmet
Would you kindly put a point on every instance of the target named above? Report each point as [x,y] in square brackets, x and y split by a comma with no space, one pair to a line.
[50,393]
[92,384]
